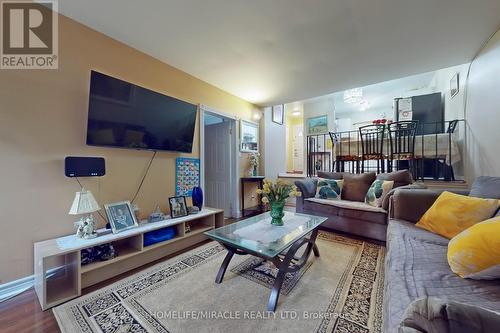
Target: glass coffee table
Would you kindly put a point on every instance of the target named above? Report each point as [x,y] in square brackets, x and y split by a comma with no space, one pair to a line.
[277,244]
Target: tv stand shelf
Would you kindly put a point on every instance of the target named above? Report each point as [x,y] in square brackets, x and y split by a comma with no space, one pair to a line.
[59,275]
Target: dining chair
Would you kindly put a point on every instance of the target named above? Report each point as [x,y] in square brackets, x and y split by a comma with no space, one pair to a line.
[402,145]
[372,145]
[351,159]
[448,172]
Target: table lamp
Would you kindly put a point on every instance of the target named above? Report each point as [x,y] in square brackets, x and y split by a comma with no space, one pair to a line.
[84,203]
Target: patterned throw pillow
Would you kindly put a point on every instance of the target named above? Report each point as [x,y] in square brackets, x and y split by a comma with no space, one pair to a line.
[329,189]
[475,252]
[377,192]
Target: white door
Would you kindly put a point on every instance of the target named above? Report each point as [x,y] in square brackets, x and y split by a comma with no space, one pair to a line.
[218,166]
[298,147]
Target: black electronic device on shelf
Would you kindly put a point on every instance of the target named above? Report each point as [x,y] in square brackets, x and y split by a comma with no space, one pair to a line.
[82,166]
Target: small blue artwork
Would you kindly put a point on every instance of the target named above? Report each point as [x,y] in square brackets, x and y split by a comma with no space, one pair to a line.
[187,175]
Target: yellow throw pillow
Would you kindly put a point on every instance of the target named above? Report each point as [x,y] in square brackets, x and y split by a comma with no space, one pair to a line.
[475,252]
[452,213]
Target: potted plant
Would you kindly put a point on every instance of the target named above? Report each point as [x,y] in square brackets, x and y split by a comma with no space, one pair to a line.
[275,195]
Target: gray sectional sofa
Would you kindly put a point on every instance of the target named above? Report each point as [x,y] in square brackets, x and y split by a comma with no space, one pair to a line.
[421,293]
[416,265]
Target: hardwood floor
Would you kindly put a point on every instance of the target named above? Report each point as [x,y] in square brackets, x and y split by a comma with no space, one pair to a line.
[23,314]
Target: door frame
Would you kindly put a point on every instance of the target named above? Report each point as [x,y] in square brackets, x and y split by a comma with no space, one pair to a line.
[234,154]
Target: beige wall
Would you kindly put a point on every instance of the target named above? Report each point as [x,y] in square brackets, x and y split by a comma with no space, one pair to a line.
[483,113]
[43,116]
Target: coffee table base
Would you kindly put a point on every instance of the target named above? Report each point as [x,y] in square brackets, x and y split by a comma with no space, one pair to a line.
[287,263]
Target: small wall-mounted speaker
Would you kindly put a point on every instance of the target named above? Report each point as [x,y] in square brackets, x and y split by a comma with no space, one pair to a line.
[79,166]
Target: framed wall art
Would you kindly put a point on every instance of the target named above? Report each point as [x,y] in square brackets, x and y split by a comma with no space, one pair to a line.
[249,137]
[187,175]
[455,85]
[278,114]
[317,125]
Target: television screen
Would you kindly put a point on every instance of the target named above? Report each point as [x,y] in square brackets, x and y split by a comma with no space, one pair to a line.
[124,115]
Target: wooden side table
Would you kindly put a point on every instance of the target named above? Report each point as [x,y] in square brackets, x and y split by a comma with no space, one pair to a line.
[252,210]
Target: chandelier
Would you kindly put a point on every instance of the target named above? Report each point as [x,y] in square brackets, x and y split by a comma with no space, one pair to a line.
[353,96]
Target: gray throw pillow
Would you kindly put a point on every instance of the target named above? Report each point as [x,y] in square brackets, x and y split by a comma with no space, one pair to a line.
[356,186]
[400,177]
[486,187]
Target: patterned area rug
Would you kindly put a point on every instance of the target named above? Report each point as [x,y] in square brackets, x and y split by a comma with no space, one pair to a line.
[341,291]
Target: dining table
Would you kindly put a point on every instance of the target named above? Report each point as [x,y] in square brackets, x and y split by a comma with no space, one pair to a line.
[431,146]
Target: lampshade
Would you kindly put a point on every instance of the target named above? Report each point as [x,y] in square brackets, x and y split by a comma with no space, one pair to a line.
[84,203]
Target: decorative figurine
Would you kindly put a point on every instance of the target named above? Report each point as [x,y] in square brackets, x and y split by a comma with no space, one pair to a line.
[157,215]
[193,210]
[85,228]
[84,203]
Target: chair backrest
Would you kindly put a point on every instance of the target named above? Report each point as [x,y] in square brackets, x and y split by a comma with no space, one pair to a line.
[372,139]
[402,136]
[334,137]
[451,126]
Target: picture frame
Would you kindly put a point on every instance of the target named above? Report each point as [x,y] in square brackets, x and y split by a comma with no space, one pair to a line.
[455,85]
[249,137]
[121,216]
[317,125]
[278,114]
[178,207]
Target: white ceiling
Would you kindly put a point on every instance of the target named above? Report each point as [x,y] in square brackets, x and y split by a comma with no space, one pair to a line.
[380,96]
[271,52]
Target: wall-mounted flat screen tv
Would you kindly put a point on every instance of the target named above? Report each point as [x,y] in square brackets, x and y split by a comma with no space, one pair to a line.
[124,115]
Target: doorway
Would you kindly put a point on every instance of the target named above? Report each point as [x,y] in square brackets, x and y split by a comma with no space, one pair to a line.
[219,161]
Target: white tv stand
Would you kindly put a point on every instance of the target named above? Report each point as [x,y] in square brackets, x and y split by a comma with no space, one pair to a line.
[59,276]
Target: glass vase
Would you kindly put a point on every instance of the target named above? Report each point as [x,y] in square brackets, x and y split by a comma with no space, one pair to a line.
[197,197]
[277,212]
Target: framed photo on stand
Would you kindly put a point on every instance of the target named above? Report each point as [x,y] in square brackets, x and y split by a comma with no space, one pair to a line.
[178,207]
[120,216]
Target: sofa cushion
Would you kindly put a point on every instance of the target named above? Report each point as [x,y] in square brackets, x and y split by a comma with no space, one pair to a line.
[354,210]
[416,267]
[356,186]
[400,177]
[330,175]
[486,187]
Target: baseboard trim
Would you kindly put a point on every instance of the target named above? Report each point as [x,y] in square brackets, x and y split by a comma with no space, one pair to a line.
[16,287]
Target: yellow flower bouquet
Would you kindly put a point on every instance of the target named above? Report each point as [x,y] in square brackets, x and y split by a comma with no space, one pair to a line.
[275,195]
